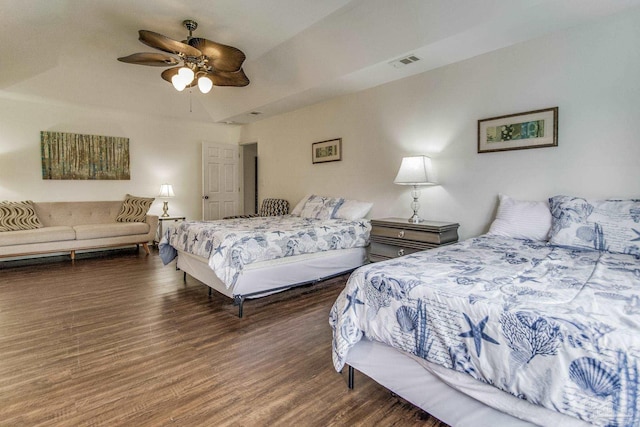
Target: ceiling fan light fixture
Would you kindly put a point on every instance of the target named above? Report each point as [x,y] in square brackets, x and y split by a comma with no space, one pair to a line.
[178,83]
[204,84]
[194,60]
[186,74]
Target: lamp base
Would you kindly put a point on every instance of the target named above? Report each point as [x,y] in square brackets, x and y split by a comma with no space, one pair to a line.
[415,205]
[165,210]
[415,219]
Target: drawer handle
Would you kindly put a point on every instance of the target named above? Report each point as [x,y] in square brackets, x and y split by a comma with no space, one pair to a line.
[401,252]
[401,234]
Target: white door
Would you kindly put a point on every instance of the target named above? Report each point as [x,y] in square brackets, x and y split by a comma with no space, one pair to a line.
[220,181]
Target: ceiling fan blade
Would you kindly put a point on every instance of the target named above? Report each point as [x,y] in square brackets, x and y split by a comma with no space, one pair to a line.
[170,72]
[223,78]
[221,57]
[166,44]
[152,59]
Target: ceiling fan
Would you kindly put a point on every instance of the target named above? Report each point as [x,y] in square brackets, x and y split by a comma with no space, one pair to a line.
[199,61]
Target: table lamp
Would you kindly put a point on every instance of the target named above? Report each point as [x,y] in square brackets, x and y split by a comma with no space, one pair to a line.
[166,192]
[415,171]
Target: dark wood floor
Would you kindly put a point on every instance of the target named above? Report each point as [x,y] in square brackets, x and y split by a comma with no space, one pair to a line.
[121,340]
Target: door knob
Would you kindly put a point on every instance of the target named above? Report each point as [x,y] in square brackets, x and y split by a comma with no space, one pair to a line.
[205,197]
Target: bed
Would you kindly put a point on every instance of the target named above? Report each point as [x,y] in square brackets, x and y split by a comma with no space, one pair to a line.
[499,330]
[254,257]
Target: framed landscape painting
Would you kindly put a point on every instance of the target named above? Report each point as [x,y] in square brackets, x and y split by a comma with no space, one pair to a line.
[326,151]
[532,129]
[84,157]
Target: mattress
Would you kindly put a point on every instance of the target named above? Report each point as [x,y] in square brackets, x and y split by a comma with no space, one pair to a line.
[452,397]
[267,277]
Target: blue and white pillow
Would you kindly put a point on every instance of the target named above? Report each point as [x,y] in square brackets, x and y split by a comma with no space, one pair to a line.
[321,207]
[604,225]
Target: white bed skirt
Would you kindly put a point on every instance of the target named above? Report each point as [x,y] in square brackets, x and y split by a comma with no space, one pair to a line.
[450,396]
[264,278]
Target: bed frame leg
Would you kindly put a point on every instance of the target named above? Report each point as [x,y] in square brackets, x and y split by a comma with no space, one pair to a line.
[351,375]
[239,301]
[210,289]
[184,276]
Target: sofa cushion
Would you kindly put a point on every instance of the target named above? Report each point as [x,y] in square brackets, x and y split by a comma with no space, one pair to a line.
[52,214]
[99,231]
[16,216]
[37,235]
[134,209]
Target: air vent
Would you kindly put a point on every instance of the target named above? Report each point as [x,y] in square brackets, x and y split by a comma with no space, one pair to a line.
[399,63]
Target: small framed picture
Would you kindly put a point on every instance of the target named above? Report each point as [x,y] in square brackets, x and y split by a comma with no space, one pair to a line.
[533,129]
[326,151]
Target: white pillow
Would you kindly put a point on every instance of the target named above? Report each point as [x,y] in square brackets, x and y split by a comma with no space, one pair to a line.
[521,219]
[296,211]
[353,209]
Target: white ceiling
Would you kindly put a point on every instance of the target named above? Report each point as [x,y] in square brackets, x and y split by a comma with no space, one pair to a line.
[299,52]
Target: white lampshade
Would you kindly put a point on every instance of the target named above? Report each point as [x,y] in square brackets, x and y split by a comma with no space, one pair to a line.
[177,83]
[415,170]
[166,191]
[186,74]
[204,84]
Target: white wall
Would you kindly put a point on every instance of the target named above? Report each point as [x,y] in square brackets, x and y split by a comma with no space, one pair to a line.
[161,150]
[591,73]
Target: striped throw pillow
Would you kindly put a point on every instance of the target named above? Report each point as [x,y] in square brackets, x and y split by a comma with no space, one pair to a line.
[15,216]
[134,209]
[522,219]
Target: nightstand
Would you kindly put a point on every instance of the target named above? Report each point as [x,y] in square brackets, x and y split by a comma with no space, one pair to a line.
[161,221]
[395,237]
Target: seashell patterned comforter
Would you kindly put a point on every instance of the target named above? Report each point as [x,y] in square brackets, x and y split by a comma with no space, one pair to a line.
[231,244]
[557,327]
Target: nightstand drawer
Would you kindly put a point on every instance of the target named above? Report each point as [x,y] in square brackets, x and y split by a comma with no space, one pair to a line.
[415,235]
[377,249]
[394,237]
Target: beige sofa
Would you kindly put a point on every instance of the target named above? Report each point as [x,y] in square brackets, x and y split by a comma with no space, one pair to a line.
[72,226]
